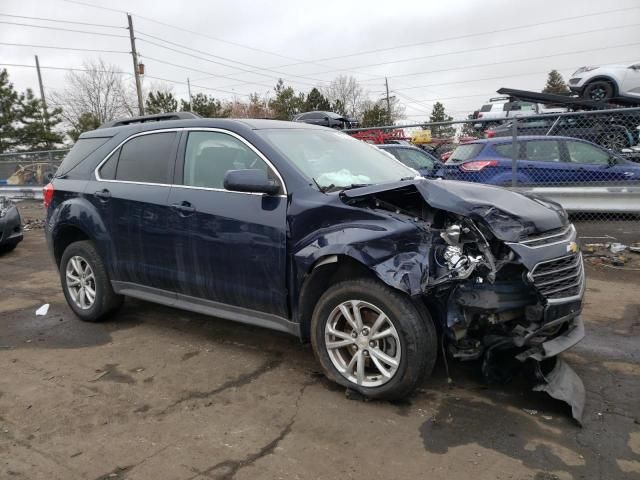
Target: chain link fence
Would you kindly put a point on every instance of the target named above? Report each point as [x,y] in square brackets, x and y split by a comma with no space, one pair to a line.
[589,162]
[29,169]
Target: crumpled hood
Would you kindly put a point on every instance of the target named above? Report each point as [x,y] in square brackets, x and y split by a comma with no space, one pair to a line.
[508,214]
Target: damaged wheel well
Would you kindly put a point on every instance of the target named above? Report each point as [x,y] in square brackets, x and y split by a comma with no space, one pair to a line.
[326,272]
[64,237]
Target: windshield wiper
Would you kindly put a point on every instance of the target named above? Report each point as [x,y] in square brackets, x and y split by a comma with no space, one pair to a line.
[325,188]
[355,185]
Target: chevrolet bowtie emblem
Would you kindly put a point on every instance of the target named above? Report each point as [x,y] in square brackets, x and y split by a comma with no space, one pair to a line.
[572,247]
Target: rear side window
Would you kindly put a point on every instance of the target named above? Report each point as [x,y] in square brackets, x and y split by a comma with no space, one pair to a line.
[465,152]
[146,159]
[506,149]
[543,150]
[81,150]
[486,108]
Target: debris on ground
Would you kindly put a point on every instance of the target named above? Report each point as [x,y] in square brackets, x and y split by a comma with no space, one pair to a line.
[612,254]
[530,412]
[43,310]
[32,224]
[635,247]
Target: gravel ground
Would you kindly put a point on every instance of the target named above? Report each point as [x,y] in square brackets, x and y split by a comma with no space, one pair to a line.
[161,393]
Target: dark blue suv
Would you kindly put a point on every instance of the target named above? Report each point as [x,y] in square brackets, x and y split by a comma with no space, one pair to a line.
[306,230]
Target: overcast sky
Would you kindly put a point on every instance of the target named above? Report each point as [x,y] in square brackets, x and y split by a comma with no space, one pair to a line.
[300,40]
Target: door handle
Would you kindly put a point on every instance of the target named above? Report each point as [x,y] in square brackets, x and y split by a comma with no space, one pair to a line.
[183,208]
[103,195]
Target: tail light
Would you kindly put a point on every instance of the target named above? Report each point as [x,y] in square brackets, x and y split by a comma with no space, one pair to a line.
[47,193]
[489,134]
[478,165]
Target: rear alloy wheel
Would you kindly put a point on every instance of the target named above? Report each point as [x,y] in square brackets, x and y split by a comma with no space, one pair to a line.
[373,339]
[86,284]
[598,91]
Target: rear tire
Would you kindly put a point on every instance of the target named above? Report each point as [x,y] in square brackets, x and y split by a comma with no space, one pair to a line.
[409,341]
[86,284]
[598,91]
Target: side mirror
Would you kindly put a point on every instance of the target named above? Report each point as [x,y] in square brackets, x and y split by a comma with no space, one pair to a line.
[250,180]
[326,118]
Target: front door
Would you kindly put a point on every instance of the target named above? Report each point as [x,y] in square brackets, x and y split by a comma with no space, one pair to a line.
[231,246]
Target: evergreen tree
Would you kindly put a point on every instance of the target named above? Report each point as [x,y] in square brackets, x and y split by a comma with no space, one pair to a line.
[316,101]
[9,113]
[161,102]
[286,103]
[206,106]
[555,83]
[375,115]
[37,132]
[86,122]
[438,114]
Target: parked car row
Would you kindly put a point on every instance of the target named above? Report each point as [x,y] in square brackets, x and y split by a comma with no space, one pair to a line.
[541,160]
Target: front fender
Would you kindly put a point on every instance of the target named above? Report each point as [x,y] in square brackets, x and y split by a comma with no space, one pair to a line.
[398,256]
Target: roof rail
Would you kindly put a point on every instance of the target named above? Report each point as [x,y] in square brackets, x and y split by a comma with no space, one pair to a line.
[160,117]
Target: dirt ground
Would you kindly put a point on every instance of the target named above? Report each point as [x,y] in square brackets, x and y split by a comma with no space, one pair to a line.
[158,393]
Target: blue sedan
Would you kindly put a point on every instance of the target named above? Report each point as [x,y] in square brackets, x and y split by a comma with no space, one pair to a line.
[541,160]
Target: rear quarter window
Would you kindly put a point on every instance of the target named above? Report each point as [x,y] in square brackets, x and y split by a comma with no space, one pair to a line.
[466,152]
[81,150]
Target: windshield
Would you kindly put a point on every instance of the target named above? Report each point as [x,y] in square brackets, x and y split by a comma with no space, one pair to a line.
[334,159]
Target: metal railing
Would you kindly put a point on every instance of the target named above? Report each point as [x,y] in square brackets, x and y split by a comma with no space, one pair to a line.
[24,170]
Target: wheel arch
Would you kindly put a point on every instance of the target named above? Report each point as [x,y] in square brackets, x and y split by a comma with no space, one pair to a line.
[603,78]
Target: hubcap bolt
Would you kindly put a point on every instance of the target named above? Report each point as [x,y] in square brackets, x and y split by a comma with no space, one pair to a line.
[365,353]
[372,344]
[354,334]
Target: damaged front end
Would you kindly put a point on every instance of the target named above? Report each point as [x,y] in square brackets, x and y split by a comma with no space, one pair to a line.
[505,272]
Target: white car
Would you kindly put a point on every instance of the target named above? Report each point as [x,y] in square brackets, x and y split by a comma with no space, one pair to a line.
[606,82]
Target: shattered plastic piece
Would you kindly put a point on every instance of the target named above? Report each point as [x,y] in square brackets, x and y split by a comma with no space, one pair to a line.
[562,383]
[617,247]
[530,412]
[635,247]
[43,309]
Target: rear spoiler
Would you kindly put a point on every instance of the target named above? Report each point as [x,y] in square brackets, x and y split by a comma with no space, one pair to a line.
[160,117]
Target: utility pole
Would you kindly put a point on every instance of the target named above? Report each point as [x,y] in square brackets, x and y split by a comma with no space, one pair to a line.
[190,99]
[45,113]
[136,69]
[386,83]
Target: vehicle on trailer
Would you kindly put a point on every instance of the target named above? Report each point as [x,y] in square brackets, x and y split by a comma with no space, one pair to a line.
[413,157]
[499,109]
[607,82]
[541,160]
[614,131]
[327,119]
[10,225]
[309,231]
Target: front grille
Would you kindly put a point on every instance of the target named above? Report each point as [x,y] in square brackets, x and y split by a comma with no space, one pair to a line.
[557,235]
[559,278]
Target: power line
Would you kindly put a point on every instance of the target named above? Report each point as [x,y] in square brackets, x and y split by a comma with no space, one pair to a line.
[63,29]
[63,48]
[505,62]
[201,71]
[197,86]
[482,49]
[460,37]
[71,69]
[255,68]
[60,21]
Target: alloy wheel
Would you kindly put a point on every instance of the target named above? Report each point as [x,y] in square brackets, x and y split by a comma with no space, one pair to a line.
[362,343]
[81,282]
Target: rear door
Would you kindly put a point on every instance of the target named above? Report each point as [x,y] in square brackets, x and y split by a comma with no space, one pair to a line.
[230,246]
[543,163]
[131,191]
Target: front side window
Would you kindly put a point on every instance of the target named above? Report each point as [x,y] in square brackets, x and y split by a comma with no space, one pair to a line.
[210,155]
[580,152]
[145,159]
[543,150]
[333,159]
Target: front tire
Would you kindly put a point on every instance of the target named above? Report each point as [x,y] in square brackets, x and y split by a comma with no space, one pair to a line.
[85,283]
[599,91]
[373,339]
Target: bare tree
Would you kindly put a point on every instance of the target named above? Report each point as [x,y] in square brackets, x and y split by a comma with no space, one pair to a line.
[99,90]
[345,93]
